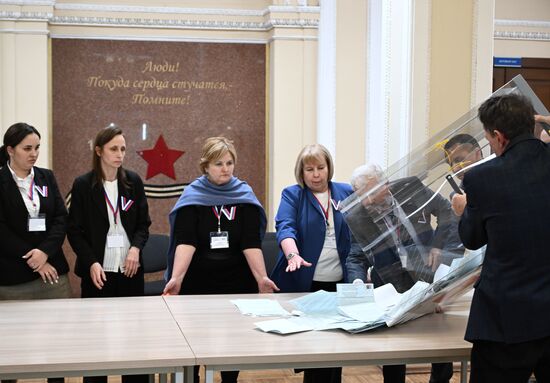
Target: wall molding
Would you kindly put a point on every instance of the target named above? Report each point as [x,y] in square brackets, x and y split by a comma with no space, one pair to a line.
[225,40]
[166,10]
[263,26]
[25,31]
[25,16]
[515,35]
[187,11]
[186,24]
[540,30]
[522,23]
[27,2]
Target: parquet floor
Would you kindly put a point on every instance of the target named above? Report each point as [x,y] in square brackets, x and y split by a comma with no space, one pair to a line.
[365,374]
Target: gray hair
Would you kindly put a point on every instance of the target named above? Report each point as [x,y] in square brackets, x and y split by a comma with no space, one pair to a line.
[365,173]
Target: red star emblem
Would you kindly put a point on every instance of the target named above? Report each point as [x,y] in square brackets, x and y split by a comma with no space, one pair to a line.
[160,159]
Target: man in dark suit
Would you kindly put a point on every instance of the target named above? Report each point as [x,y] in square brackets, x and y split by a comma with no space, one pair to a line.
[509,210]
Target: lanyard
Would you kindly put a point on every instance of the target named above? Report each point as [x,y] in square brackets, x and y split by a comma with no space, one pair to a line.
[229,214]
[31,194]
[326,211]
[110,205]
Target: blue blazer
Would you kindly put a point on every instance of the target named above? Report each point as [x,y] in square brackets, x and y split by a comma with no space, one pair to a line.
[300,217]
[509,210]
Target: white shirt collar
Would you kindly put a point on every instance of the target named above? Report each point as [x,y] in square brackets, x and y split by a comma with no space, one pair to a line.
[17,178]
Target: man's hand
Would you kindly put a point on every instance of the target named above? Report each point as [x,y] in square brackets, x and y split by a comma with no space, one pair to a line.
[434,258]
[458,203]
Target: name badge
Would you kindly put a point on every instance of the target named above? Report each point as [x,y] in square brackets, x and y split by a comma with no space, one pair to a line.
[115,240]
[37,223]
[219,240]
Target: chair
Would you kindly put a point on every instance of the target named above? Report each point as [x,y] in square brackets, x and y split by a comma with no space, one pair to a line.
[270,248]
[154,261]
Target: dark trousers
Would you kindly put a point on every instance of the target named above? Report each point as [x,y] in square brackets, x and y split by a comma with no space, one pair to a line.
[441,372]
[227,376]
[510,363]
[394,373]
[117,285]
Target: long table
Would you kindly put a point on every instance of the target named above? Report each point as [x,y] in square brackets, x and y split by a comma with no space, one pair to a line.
[76,337]
[223,339]
[138,335]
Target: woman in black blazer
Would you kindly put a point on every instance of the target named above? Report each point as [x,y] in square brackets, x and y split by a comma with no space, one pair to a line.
[33,222]
[109,226]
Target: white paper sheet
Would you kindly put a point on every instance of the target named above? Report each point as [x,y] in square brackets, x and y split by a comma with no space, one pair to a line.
[260,307]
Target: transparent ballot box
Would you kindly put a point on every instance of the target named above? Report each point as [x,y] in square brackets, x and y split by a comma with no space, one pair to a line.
[401,217]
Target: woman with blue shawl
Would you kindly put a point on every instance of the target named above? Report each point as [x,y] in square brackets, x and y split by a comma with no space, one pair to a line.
[216,231]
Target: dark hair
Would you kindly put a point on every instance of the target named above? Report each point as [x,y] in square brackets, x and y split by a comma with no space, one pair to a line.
[510,114]
[459,139]
[103,137]
[13,136]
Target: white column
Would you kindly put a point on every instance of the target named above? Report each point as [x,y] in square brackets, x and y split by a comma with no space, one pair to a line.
[389,77]
[326,77]
[482,50]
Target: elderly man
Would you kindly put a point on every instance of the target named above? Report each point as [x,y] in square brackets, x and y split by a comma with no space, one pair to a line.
[394,227]
[394,239]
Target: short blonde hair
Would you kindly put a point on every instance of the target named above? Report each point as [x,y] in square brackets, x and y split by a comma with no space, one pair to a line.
[312,153]
[215,148]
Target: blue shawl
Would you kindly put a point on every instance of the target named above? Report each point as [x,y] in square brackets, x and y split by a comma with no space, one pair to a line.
[204,193]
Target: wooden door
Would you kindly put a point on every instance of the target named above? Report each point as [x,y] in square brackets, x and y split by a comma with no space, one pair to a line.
[536,71]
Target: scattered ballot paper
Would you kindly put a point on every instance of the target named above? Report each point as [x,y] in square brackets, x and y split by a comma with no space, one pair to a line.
[260,307]
[352,294]
[285,326]
[318,302]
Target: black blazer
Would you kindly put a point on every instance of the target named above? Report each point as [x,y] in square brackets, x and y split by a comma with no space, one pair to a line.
[16,240]
[508,208]
[89,221]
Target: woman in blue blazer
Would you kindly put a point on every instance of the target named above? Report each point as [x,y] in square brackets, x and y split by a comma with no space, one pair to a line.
[109,226]
[312,235]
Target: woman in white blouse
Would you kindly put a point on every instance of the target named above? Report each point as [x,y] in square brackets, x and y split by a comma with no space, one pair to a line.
[109,226]
[32,223]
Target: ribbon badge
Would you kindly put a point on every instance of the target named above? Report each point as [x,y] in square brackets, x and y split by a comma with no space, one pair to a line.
[42,190]
[125,204]
[229,214]
[335,204]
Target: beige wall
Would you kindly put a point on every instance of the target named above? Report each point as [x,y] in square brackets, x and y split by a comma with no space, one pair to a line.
[291,35]
[24,76]
[451,61]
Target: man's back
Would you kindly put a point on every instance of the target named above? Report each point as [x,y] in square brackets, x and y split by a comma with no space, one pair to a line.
[509,209]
